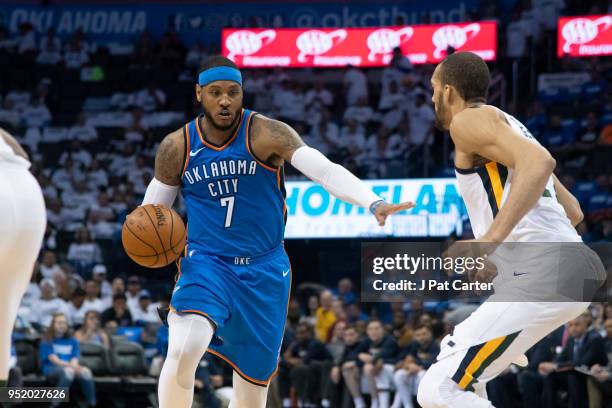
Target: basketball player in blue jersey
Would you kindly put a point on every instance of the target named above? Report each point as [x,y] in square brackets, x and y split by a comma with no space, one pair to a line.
[235,276]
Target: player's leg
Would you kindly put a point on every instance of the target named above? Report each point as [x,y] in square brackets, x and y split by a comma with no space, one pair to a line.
[21,233]
[189,337]
[458,378]
[247,395]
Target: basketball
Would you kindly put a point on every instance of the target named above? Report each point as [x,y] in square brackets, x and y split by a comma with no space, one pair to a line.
[153,235]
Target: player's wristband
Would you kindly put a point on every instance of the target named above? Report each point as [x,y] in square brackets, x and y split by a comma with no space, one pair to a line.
[374,205]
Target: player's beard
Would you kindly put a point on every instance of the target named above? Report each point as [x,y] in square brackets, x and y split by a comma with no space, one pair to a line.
[440,112]
[211,120]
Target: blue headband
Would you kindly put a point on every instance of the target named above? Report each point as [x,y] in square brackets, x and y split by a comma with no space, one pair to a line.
[219,74]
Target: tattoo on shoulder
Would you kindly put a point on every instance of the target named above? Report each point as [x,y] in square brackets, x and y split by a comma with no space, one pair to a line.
[167,161]
[284,134]
[503,117]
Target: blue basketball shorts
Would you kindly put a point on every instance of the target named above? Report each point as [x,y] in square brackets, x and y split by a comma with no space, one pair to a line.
[246,299]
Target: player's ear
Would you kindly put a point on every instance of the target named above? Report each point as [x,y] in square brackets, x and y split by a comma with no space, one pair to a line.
[198,92]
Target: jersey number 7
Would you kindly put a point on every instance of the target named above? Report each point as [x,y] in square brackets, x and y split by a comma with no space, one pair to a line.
[229,203]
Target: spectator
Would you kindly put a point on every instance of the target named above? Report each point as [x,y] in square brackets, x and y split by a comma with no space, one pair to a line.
[84,252]
[324,135]
[303,358]
[77,154]
[82,131]
[59,355]
[92,298]
[50,49]
[381,150]
[325,317]
[118,286]
[289,102]
[146,312]
[345,292]
[63,177]
[49,265]
[316,101]
[421,122]
[352,138]
[75,54]
[374,359]
[26,43]
[91,332]
[96,175]
[76,311]
[332,393]
[412,363]
[32,293]
[19,97]
[118,312]
[48,304]
[518,35]
[584,348]
[99,276]
[361,112]
[133,292]
[311,316]
[600,384]
[36,115]
[151,98]
[355,85]
[196,56]
[392,106]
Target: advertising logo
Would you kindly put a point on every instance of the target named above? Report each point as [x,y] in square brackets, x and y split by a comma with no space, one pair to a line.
[245,42]
[317,42]
[384,40]
[583,30]
[453,36]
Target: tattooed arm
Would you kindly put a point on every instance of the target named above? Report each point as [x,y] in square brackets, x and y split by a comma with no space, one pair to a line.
[275,142]
[169,162]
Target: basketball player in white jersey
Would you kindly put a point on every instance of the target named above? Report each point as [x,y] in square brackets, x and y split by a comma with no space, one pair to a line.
[506,180]
[22,226]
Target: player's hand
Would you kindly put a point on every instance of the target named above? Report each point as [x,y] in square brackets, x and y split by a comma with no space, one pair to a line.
[546,368]
[474,249]
[383,210]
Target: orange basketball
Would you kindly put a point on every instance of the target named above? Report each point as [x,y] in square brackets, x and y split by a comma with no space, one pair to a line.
[153,235]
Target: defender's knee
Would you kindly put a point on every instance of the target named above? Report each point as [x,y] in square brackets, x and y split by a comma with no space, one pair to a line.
[428,394]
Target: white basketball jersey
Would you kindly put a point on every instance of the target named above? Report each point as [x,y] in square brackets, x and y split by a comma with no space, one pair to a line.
[8,155]
[484,190]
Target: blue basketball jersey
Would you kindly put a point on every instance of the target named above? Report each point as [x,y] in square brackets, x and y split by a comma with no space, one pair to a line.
[235,203]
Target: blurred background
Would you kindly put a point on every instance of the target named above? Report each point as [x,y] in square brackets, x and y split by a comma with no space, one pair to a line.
[91,87]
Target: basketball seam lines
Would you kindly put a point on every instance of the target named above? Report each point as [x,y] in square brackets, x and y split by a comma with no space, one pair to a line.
[143,241]
[158,236]
[171,230]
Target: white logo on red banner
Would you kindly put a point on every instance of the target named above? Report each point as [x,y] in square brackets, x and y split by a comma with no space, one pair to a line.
[360,47]
[453,36]
[317,42]
[583,30]
[384,40]
[245,42]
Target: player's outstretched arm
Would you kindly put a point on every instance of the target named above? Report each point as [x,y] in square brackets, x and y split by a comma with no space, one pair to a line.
[169,158]
[276,142]
[485,132]
[569,203]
